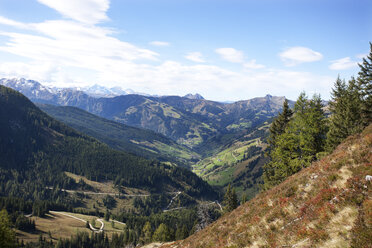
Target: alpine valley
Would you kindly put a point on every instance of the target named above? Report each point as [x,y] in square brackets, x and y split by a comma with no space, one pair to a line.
[222,142]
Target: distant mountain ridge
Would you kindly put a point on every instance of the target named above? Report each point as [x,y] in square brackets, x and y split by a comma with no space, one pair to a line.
[189,122]
[35,89]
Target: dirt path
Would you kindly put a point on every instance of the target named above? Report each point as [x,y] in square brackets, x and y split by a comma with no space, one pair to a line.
[170,203]
[232,153]
[99,193]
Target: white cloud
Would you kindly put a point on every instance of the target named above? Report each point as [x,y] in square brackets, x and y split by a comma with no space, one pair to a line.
[174,78]
[8,22]
[297,55]
[73,44]
[253,65]
[71,53]
[195,57]
[231,54]
[343,64]
[85,11]
[159,43]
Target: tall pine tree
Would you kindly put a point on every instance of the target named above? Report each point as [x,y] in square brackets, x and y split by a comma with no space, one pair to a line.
[277,129]
[345,107]
[230,199]
[280,123]
[365,86]
[146,233]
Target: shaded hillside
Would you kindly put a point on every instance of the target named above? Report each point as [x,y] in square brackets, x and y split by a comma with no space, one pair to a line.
[36,150]
[142,142]
[325,205]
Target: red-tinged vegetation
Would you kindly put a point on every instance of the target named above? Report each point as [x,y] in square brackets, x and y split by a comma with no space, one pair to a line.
[325,205]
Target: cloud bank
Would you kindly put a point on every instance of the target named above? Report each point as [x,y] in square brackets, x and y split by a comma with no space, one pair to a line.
[75,51]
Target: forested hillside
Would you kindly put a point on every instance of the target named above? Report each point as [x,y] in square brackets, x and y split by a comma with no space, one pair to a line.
[38,149]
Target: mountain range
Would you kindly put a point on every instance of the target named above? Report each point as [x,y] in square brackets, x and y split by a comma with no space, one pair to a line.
[189,120]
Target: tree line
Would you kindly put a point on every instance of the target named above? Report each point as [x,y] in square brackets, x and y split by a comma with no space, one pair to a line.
[302,135]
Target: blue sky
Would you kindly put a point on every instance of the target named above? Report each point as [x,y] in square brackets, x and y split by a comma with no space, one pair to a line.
[222,49]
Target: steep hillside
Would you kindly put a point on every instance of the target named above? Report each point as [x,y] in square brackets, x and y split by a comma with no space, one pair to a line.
[142,142]
[36,150]
[325,205]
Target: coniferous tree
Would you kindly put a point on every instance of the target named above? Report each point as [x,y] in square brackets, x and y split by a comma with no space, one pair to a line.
[7,235]
[314,130]
[162,233]
[296,148]
[365,87]
[345,107]
[354,107]
[277,129]
[181,233]
[146,233]
[280,123]
[230,199]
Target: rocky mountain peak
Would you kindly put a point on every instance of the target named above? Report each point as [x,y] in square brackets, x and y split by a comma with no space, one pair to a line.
[194,96]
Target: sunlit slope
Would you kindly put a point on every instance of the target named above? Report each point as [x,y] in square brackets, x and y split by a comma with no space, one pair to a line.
[325,205]
[239,163]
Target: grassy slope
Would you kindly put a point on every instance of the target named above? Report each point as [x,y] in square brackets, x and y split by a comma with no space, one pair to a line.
[209,168]
[61,226]
[325,205]
[228,166]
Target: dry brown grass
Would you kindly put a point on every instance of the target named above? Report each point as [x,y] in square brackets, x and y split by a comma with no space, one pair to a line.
[104,187]
[61,226]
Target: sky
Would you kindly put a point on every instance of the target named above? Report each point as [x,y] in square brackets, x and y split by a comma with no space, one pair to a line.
[225,50]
